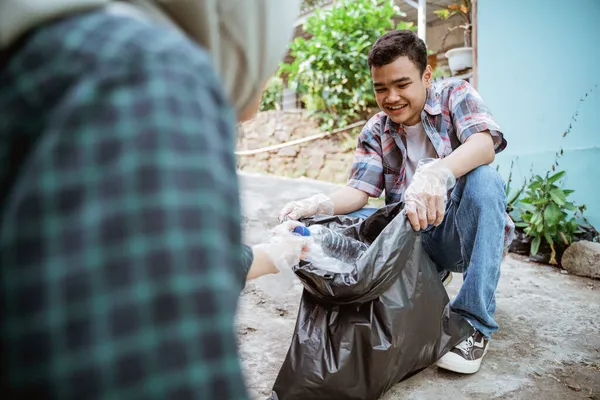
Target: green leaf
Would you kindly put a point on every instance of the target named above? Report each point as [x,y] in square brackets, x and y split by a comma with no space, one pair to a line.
[556,177]
[568,192]
[535,185]
[527,207]
[513,199]
[537,217]
[548,238]
[570,207]
[540,228]
[552,214]
[558,196]
[535,245]
[521,224]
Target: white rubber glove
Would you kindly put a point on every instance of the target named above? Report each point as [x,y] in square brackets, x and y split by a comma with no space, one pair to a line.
[426,196]
[317,204]
[284,248]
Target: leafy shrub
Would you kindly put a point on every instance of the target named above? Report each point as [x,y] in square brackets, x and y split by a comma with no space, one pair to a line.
[272,95]
[330,68]
[547,215]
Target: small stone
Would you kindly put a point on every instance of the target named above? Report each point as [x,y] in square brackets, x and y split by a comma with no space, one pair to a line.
[564,272]
[263,156]
[291,151]
[583,259]
[282,312]
[283,135]
[315,163]
[575,388]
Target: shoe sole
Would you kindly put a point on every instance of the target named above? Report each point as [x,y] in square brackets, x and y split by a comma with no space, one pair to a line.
[455,363]
[447,280]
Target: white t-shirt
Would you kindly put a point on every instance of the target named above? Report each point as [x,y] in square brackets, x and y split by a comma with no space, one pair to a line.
[418,147]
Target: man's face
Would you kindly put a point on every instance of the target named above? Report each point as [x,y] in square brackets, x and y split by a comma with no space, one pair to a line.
[400,90]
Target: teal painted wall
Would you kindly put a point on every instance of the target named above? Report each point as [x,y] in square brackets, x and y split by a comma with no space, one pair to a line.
[537,59]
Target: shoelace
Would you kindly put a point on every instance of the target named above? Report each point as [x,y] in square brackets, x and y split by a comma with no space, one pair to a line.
[466,345]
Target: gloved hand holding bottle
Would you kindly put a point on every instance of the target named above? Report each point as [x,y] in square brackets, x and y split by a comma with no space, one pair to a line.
[280,254]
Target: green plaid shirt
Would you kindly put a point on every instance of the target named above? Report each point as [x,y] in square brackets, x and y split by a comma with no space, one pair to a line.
[120,253]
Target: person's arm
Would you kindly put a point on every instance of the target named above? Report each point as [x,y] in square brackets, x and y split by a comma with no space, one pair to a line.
[366,180]
[477,150]
[348,199]
[279,254]
[260,263]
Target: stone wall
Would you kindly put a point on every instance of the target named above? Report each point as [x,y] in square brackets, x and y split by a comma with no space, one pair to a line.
[327,159]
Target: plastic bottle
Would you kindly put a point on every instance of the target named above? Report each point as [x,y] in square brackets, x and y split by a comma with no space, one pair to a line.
[334,244]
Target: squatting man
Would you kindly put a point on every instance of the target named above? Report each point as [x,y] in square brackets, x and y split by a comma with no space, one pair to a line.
[430,147]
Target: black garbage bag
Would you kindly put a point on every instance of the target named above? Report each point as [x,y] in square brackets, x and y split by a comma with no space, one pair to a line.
[359,333]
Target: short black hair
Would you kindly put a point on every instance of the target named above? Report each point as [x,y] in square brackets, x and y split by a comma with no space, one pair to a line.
[398,43]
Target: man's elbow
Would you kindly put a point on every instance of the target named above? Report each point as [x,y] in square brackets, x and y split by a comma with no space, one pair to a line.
[488,148]
[364,199]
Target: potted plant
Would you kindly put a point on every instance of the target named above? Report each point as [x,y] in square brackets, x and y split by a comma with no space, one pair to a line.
[460,58]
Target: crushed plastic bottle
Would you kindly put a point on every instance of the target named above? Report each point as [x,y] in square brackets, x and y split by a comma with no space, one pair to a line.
[334,252]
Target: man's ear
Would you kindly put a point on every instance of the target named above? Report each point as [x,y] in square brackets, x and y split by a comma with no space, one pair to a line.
[427,76]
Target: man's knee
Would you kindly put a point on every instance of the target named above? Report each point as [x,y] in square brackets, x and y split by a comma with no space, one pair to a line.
[485,187]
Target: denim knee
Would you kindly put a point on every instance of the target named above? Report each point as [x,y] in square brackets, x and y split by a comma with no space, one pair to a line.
[484,188]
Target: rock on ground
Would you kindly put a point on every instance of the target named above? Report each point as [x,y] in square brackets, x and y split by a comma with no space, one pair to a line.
[583,259]
[548,346]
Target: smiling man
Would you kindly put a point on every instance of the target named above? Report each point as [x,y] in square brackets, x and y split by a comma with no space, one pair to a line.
[431,146]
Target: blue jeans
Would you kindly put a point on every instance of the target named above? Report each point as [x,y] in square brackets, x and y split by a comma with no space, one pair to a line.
[471,240]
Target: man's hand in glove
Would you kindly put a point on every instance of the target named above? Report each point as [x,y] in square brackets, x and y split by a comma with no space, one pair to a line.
[426,196]
[317,204]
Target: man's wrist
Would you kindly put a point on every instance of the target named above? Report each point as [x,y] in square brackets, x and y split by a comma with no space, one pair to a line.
[262,263]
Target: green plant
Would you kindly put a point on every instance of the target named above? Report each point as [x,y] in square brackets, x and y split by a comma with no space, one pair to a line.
[547,214]
[463,9]
[330,68]
[272,95]
[512,198]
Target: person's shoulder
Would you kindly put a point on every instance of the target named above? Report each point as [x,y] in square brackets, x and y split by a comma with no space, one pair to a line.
[452,92]
[452,89]
[447,87]
[374,125]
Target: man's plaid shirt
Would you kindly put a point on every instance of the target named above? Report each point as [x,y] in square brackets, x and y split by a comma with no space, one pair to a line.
[120,252]
[453,111]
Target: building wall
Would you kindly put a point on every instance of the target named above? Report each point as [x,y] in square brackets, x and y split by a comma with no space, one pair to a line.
[436,31]
[537,60]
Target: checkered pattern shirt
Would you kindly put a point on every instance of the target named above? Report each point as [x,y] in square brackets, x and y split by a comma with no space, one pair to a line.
[453,111]
[120,254]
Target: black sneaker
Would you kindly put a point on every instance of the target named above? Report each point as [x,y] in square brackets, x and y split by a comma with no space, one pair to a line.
[446,277]
[466,357]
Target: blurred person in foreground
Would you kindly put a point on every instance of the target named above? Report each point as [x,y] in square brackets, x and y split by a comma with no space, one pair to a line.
[120,247]
[431,139]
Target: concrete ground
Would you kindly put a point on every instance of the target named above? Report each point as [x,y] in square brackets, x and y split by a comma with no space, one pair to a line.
[548,346]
